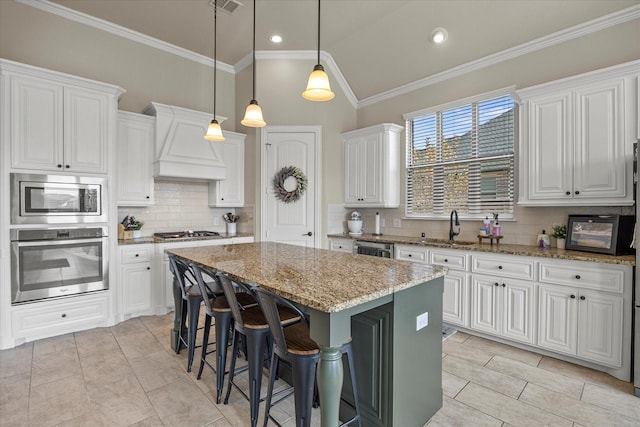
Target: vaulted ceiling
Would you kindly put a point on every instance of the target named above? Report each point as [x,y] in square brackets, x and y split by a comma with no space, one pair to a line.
[378,45]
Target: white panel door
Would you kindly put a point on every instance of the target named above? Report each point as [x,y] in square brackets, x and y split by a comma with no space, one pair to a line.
[550,137]
[599,141]
[557,328]
[518,303]
[485,312]
[455,305]
[86,130]
[36,124]
[599,326]
[296,222]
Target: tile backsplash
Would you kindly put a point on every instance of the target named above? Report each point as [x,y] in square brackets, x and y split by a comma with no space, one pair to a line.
[179,205]
[523,230]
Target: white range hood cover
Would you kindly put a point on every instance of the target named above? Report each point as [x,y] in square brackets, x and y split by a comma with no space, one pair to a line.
[181,150]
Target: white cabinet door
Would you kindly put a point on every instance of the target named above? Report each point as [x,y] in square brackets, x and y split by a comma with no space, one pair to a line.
[557,314]
[136,288]
[86,130]
[229,192]
[369,171]
[455,299]
[599,152]
[36,124]
[341,245]
[351,171]
[599,328]
[485,310]
[549,154]
[136,135]
[518,311]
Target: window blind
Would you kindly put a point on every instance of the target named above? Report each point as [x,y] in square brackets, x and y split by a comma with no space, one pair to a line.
[462,158]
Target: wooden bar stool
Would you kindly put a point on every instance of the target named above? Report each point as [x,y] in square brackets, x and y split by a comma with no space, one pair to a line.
[292,344]
[191,301]
[250,323]
[218,310]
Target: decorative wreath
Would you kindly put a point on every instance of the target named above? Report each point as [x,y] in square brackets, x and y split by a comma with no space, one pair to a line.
[279,179]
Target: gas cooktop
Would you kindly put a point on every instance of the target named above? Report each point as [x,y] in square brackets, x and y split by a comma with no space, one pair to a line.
[185,234]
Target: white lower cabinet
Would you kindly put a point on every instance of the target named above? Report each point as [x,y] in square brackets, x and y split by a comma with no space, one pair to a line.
[135,280]
[455,299]
[45,319]
[503,307]
[341,245]
[583,323]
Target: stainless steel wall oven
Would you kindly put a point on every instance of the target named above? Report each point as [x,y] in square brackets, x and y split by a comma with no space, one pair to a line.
[48,263]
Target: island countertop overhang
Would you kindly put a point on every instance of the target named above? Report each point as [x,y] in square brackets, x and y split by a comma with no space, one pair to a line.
[323,280]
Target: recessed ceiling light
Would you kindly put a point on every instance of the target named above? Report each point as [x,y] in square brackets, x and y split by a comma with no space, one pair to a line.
[439,35]
[276,38]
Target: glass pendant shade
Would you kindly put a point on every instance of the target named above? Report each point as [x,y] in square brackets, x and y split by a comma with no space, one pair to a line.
[253,116]
[318,88]
[214,132]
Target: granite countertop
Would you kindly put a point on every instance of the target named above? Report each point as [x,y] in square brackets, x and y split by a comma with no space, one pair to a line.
[502,249]
[320,279]
[151,239]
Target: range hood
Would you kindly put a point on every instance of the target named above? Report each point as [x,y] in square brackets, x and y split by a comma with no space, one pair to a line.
[181,150]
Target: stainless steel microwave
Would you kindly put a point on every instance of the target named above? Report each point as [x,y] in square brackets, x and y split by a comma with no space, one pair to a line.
[57,199]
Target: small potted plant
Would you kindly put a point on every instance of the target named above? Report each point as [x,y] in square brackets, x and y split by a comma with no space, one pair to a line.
[560,234]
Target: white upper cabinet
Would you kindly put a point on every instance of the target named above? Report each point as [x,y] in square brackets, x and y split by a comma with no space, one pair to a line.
[229,192]
[372,166]
[59,122]
[136,136]
[576,140]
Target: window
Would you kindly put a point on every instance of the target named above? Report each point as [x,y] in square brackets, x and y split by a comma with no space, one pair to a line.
[461,158]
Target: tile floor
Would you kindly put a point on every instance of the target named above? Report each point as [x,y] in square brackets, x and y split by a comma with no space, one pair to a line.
[127,375]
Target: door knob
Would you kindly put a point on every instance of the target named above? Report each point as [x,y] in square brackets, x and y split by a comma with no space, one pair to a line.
[308,234]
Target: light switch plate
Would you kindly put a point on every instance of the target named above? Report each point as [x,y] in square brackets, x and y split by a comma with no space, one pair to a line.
[397,222]
[422,321]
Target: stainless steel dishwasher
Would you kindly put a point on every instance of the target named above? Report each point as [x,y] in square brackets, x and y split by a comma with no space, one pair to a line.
[384,250]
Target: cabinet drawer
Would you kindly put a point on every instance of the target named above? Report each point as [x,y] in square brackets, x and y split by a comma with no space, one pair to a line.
[599,278]
[63,316]
[341,245]
[134,254]
[409,253]
[503,266]
[455,260]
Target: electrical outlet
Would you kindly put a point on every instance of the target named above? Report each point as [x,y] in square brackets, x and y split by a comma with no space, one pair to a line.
[397,222]
[381,222]
[216,221]
[422,320]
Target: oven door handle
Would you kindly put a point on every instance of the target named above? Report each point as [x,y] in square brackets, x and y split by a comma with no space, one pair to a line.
[57,242]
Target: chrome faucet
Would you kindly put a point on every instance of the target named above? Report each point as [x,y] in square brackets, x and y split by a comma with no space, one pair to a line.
[452,233]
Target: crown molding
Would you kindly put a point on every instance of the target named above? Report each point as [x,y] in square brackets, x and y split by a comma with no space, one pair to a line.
[126,33]
[558,37]
[580,30]
[326,59]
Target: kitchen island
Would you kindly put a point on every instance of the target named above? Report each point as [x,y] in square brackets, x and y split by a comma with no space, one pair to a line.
[334,288]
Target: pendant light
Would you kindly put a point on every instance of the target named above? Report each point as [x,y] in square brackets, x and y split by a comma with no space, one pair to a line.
[318,88]
[253,114]
[214,132]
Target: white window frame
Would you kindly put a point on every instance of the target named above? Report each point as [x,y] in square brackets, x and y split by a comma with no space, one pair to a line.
[508,91]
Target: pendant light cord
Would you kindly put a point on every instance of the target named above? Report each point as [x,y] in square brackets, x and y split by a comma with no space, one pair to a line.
[215,60]
[254,51]
[318,31]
